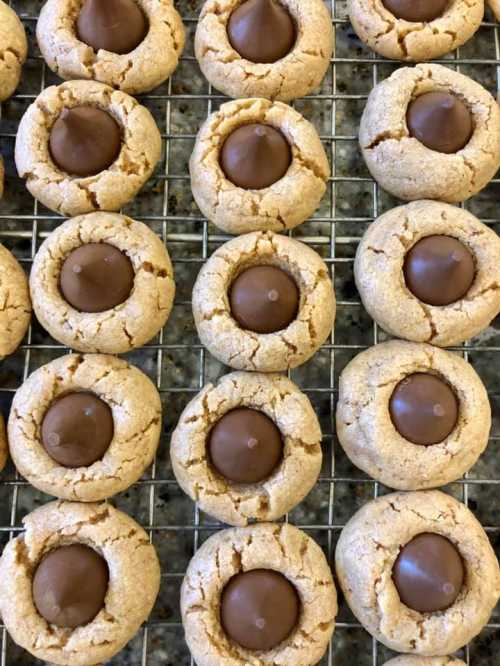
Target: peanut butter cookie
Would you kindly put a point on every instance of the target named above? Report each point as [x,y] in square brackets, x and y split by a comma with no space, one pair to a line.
[258,166]
[258,595]
[78,583]
[264,48]
[418,571]
[263,302]
[83,146]
[130,45]
[428,132]
[247,448]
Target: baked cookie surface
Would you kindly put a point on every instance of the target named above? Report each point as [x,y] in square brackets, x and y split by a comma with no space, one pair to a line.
[136,60]
[15,304]
[429,272]
[13,50]
[282,328]
[84,427]
[412,416]
[281,549]
[495,8]
[228,410]
[134,581]
[422,32]
[266,71]
[452,149]
[92,174]
[287,197]
[368,556]
[115,302]
[4,447]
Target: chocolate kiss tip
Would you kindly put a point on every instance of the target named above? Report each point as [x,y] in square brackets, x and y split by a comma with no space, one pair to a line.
[88,411]
[438,410]
[455,256]
[77,268]
[260,130]
[273,295]
[260,623]
[252,443]
[54,439]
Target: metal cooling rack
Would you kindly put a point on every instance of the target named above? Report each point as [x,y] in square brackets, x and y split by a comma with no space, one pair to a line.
[180,366]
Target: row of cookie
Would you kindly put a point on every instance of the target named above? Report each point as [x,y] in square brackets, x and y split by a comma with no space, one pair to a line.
[410,415]
[426,272]
[426,132]
[79,581]
[245,49]
[103,282]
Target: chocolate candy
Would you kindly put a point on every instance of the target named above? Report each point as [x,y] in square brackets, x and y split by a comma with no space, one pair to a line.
[424,409]
[429,573]
[259,609]
[261,31]
[245,446]
[77,429]
[70,585]
[417,11]
[439,270]
[113,25]
[264,299]
[255,156]
[96,277]
[84,141]
[440,121]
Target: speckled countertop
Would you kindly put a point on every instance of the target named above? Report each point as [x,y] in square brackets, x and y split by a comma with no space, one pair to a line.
[179,366]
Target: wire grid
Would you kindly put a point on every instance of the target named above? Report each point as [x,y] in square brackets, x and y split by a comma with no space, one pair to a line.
[180,366]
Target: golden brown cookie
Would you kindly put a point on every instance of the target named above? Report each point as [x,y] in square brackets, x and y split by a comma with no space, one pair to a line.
[399,160]
[368,552]
[280,549]
[15,304]
[294,72]
[138,303]
[278,474]
[411,415]
[134,581]
[13,50]
[134,70]
[120,422]
[292,317]
[279,206]
[111,187]
[421,32]
[412,283]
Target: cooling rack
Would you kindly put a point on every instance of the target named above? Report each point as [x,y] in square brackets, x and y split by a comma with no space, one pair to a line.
[179,365]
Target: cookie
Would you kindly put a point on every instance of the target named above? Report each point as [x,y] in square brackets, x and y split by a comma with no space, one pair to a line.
[258,595]
[15,305]
[262,48]
[430,609]
[4,448]
[13,50]
[84,427]
[495,8]
[247,448]
[408,660]
[131,46]
[258,166]
[429,272]
[411,31]
[411,415]
[428,132]
[83,147]
[102,283]
[78,583]
[263,302]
